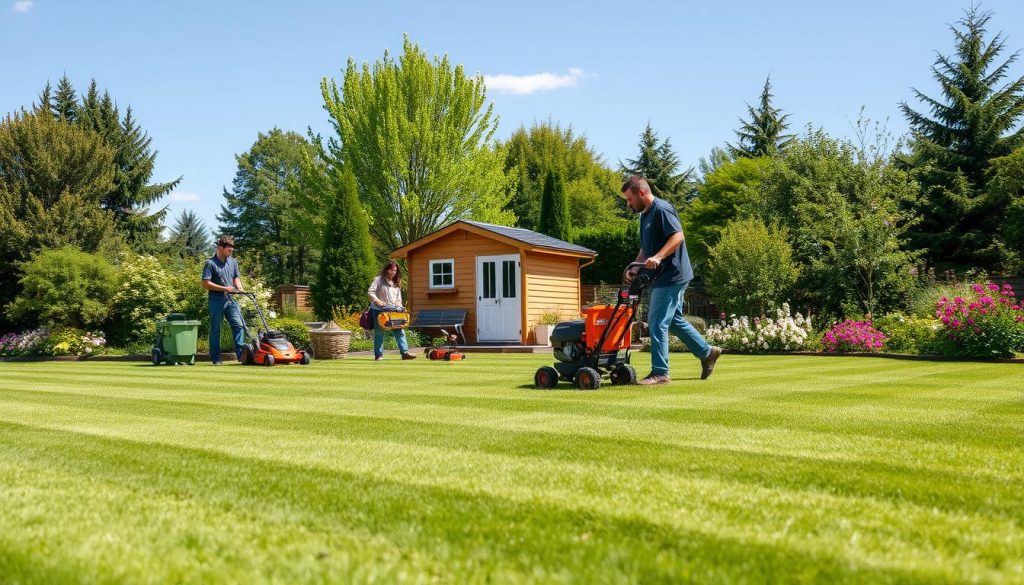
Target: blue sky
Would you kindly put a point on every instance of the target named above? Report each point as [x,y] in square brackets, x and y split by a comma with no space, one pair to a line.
[204,78]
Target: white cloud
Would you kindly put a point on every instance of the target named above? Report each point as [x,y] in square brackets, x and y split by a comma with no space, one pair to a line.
[527,84]
[23,5]
[183,196]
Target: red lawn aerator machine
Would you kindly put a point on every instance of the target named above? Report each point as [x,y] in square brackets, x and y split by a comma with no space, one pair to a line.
[598,344]
[268,346]
[449,352]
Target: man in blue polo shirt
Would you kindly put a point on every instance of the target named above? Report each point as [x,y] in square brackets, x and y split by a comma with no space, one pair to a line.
[220,277]
[662,244]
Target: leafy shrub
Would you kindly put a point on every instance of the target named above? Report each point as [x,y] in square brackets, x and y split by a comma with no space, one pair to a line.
[615,247]
[145,293]
[988,322]
[750,268]
[189,294]
[698,323]
[296,331]
[853,335]
[908,334]
[298,314]
[786,332]
[65,287]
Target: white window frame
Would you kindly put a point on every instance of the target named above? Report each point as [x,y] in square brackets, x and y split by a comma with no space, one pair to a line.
[450,261]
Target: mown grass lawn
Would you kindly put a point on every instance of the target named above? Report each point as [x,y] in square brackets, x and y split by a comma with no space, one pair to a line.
[776,469]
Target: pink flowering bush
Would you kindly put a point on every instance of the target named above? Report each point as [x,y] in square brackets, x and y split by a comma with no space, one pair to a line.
[853,335]
[987,322]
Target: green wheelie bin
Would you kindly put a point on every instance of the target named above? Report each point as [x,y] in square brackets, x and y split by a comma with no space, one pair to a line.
[176,338]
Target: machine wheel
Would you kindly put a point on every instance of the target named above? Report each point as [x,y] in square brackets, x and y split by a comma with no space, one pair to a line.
[192,360]
[305,359]
[623,375]
[246,355]
[588,379]
[157,357]
[268,361]
[546,377]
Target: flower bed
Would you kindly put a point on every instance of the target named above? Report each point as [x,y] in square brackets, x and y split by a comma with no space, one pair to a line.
[853,335]
[59,342]
[988,322]
[762,334]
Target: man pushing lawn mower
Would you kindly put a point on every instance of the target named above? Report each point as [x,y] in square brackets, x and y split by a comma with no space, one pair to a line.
[220,277]
[663,246]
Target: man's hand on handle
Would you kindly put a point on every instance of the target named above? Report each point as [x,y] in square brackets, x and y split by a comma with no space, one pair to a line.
[630,274]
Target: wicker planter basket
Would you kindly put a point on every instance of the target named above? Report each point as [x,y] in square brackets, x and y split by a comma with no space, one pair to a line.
[330,342]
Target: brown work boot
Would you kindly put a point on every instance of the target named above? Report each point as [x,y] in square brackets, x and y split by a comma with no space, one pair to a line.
[654,379]
[707,365]
[408,356]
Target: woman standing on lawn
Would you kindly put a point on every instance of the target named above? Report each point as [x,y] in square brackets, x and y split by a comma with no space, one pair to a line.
[386,292]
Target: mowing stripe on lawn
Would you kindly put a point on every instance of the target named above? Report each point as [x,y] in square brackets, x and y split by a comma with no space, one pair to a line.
[777,469]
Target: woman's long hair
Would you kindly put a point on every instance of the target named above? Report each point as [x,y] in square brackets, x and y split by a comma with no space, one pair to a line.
[398,273]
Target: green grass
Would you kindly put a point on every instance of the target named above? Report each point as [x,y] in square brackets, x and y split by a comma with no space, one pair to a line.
[776,469]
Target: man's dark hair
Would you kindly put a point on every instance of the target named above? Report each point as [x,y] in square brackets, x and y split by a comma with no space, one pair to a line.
[636,184]
[226,241]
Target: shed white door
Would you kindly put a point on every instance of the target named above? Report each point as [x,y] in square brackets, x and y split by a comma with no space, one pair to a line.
[498,308]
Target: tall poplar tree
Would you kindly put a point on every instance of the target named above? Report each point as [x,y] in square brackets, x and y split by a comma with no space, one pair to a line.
[416,132]
[554,208]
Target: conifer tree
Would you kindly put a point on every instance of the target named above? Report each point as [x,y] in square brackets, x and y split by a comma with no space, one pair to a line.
[45,103]
[189,238]
[65,101]
[658,163]
[955,141]
[762,134]
[346,261]
[554,208]
[260,209]
[132,193]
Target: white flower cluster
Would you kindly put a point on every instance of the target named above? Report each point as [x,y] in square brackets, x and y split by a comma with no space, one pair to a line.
[94,340]
[761,334]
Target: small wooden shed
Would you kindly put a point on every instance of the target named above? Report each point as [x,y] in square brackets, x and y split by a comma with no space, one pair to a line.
[293,297]
[505,278]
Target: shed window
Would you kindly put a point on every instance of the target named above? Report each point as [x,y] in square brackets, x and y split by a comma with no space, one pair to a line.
[442,273]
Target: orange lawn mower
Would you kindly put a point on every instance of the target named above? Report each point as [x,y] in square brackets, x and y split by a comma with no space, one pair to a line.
[598,344]
[268,346]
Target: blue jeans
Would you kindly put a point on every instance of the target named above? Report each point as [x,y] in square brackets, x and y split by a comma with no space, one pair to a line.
[378,336]
[219,309]
[666,315]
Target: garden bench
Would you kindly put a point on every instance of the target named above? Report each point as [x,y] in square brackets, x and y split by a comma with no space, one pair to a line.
[437,318]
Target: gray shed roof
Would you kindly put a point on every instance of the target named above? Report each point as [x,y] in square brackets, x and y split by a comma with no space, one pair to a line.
[531,237]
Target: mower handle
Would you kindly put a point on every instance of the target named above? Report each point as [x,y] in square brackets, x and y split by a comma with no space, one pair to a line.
[629,267]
